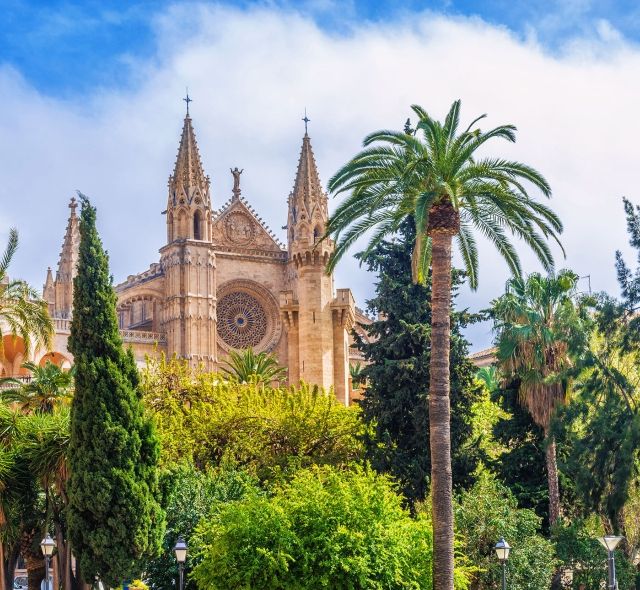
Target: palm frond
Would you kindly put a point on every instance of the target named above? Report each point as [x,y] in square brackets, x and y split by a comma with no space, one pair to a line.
[9,252]
[399,175]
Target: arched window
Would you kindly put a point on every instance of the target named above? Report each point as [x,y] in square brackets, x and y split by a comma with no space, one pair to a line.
[317,233]
[197,226]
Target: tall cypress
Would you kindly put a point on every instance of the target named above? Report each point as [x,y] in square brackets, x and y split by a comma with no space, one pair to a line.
[397,374]
[114,517]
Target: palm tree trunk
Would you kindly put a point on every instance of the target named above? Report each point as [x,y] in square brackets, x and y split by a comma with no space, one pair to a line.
[10,558]
[61,559]
[35,571]
[439,412]
[552,480]
[2,573]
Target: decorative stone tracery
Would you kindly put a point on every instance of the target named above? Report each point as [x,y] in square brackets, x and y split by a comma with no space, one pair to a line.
[247,316]
[239,228]
[242,322]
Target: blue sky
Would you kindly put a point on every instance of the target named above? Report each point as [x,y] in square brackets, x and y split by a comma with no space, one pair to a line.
[66,48]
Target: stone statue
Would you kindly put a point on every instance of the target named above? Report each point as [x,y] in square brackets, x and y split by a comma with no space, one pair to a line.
[236,181]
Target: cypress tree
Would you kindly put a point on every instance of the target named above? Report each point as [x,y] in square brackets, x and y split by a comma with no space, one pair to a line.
[114,517]
[395,399]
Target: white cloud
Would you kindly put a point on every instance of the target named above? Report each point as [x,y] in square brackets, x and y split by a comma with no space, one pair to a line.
[252,72]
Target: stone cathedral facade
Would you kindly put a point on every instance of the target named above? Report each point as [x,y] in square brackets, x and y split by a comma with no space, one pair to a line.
[223,281]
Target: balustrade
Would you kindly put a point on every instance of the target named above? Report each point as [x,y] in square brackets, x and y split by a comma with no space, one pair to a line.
[63,326]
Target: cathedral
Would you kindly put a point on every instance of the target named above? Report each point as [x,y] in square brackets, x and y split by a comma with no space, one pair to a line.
[225,282]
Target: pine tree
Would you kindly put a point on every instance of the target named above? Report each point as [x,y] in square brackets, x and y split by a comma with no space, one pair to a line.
[114,517]
[395,399]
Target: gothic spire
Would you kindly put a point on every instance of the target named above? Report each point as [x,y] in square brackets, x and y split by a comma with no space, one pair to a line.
[70,246]
[188,178]
[59,293]
[49,289]
[307,198]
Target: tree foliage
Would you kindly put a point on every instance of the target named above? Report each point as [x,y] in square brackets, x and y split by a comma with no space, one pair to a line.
[191,495]
[541,333]
[395,400]
[325,529]
[23,313]
[48,386]
[580,553]
[411,173]
[602,428]
[247,366]
[437,176]
[521,466]
[33,450]
[114,517]
[487,512]
[209,421]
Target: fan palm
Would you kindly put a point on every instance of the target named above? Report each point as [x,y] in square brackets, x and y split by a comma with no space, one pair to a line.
[435,175]
[248,366]
[540,330]
[36,451]
[22,311]
[49,386]
[355,372]
[490,377]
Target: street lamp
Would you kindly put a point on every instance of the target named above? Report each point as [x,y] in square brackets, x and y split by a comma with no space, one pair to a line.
[502,551]
[610,542]
[181,556]
[47,545]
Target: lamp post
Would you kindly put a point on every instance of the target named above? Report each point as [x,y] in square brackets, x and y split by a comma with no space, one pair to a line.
[610,542]
[181,556]
[47,545]
[502,551]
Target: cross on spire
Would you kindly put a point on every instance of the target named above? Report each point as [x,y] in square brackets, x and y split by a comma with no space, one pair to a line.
[306,121]
[187,100]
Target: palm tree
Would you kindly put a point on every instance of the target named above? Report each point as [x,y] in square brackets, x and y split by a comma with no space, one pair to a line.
[355,372]
[45,447]
[490,377]
[434,174]
[49,386]
[540,330]
[249,367]
[33,450]
[22,310]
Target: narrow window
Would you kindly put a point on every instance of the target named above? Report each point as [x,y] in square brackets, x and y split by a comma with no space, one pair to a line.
[197,226]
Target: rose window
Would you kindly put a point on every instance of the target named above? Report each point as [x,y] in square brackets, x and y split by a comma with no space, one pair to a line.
[242,322]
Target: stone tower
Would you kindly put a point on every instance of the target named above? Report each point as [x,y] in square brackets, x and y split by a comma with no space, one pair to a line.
[188,260]
[58,293]
[317,321]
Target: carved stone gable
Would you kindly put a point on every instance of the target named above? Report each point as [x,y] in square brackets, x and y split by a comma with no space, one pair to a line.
[238,227]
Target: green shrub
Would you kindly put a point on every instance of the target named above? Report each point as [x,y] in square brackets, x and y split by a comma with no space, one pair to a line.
[584,560]
[489,511]
[189,496]
[208,421]
[324,529]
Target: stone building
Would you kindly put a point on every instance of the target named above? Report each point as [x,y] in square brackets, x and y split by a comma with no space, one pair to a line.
[224,281]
